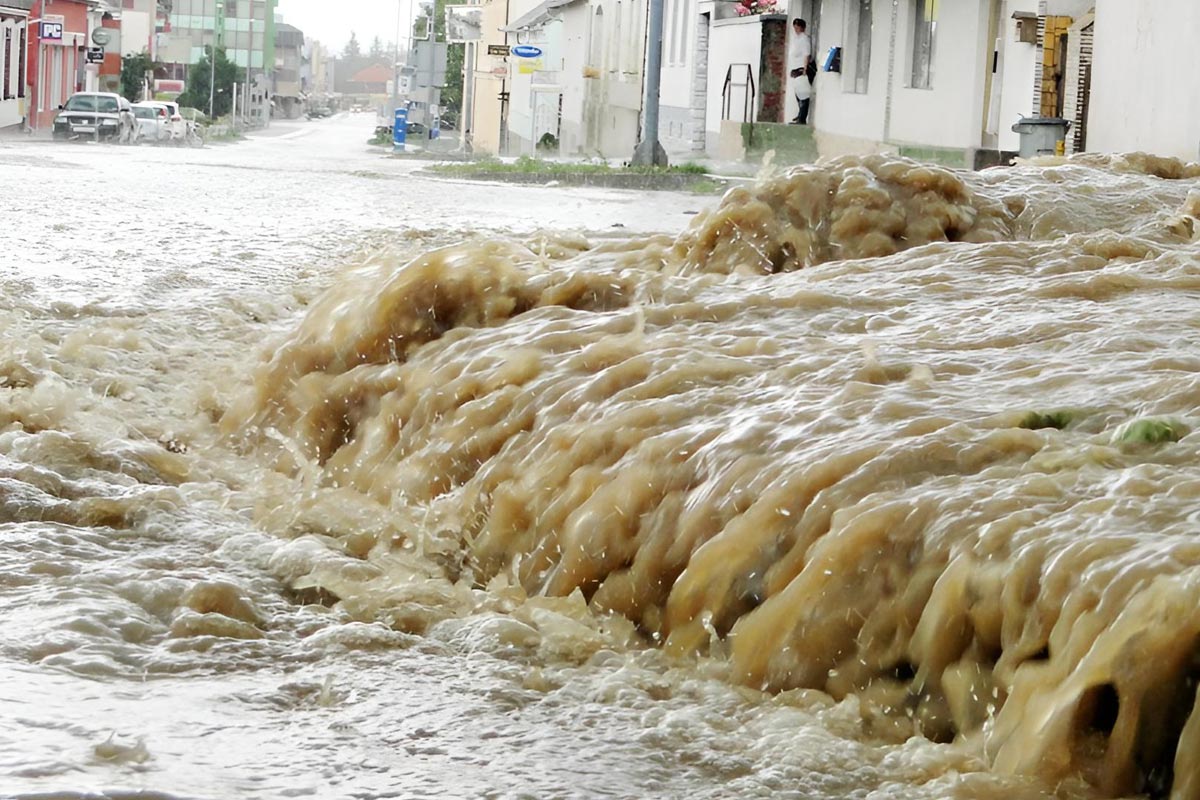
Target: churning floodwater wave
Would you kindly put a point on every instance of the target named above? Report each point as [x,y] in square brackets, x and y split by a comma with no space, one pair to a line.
[878,480]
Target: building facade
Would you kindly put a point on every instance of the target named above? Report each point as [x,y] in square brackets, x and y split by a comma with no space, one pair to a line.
[244,28]
[57,56]
[290,89]
[14,40]
[685,78]
[319,68]
[934,80]
[584,90]
[1140,94]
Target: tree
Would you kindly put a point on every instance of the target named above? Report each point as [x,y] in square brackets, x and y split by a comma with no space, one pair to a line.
[135,70]
[376,50]
[452,92]
[352,50]
[227,74]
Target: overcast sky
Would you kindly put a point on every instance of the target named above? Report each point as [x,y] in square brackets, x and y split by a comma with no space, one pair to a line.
[331,23]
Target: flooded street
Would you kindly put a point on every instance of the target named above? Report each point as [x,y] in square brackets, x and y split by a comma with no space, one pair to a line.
[322,479]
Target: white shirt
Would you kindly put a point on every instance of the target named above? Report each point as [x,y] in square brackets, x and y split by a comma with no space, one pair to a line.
[800,53]
[801,50]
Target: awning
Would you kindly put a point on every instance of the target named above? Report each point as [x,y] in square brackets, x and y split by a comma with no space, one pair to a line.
[539,15]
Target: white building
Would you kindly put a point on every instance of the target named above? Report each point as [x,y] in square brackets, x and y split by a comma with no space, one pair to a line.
[536,82]
[938,80]
[138,19]
[14,36]
[1143,93]
[706,44]
[585,88]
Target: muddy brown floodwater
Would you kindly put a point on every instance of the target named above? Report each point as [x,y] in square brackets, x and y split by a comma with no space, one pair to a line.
[878,480]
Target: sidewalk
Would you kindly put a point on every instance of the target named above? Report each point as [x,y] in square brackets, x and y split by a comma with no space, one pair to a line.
[728,169]
[15,134]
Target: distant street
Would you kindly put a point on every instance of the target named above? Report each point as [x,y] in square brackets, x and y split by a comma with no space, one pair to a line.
[105,222]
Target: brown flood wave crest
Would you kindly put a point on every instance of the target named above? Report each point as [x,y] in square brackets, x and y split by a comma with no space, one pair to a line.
[949,470]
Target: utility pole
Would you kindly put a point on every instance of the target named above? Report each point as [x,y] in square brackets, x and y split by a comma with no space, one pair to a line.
[648,151]
[396,61]
[212,75]
[468,99]
[218,23]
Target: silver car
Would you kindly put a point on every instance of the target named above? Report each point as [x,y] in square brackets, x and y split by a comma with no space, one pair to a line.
[153,122]
[96,115]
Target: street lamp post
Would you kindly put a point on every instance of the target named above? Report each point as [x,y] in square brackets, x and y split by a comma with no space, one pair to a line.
[218,22]
[648,151]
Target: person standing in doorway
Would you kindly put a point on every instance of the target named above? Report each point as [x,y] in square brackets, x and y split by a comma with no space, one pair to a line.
[802,72]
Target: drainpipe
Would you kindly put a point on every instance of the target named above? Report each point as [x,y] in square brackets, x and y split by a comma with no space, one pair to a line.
[34,76]
[887,108]
[648,151]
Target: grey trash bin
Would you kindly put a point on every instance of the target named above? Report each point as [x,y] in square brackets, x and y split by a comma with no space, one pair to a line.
[1040,136]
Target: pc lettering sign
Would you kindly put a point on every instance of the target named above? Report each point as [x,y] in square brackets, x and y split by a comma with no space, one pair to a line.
[52,29]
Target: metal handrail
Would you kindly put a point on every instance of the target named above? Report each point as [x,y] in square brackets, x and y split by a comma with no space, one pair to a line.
[748,104]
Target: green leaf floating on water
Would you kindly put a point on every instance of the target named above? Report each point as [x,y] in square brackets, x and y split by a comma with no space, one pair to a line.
[1151,431]
[1036,420]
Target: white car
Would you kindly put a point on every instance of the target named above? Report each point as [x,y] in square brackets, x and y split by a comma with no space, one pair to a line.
[179,130]
[153,121]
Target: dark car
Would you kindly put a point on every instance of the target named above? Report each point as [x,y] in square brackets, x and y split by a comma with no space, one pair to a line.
[96,115]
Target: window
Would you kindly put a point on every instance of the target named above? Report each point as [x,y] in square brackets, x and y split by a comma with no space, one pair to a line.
[678,37]
[6,73]
[857,62]
[21,65]
[924,32]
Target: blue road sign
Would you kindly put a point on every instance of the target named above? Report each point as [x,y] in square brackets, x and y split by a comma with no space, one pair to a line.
[526,51]
[399,129]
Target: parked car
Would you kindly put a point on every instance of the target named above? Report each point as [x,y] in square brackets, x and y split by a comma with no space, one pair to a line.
[99,115]
[152,122]
[179,130]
